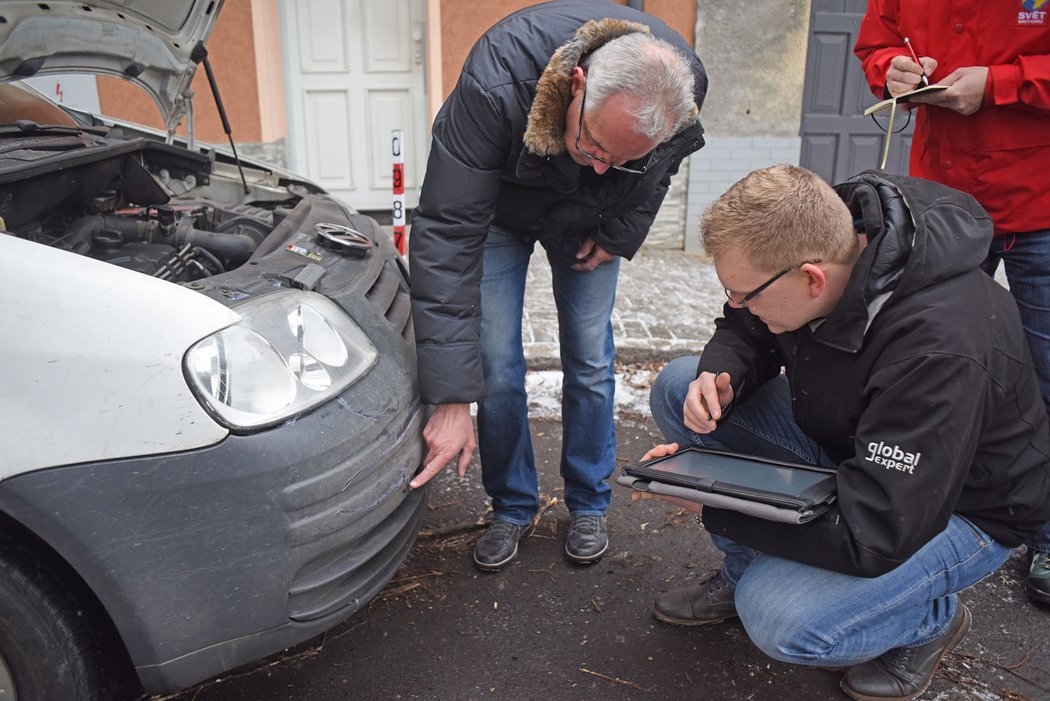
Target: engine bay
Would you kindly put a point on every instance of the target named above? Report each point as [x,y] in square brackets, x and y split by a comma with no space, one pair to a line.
[179,243]
[158,209]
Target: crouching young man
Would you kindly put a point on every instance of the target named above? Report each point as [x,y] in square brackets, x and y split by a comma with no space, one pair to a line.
[906,368]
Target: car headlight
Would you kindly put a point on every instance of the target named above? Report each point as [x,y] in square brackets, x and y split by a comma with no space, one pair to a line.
[290,352]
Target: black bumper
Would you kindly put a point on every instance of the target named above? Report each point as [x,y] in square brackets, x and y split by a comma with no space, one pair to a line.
[213,558]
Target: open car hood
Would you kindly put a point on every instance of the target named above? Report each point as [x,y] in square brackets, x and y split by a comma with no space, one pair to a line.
[148,42]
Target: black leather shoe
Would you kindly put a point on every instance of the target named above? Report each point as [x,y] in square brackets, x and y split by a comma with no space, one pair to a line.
[710,601]
[904,673]
[587,540]
[498,546]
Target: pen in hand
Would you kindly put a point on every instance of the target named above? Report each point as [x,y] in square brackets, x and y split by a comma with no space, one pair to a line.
[722,407]
[907,43]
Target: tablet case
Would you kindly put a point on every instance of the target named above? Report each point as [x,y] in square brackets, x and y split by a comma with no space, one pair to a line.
[793,508]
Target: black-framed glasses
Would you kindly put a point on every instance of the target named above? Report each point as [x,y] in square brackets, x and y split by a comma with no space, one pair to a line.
[742,302]
[579,133]
[884,121]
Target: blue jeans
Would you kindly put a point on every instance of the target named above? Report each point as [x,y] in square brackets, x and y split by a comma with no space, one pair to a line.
[1027,260]
[584,301]
[806,615]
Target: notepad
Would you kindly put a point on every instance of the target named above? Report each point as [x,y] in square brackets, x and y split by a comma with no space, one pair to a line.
[903,97]
[768,489]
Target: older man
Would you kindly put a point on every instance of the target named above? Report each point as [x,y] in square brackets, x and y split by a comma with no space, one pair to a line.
[565,127]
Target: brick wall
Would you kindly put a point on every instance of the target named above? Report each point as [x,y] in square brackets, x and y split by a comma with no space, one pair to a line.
[722,162]
[705,175]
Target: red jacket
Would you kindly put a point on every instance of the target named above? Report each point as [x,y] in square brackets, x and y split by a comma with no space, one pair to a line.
[1000,154]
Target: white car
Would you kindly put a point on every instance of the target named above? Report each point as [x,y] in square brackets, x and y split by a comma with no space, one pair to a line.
[209,414]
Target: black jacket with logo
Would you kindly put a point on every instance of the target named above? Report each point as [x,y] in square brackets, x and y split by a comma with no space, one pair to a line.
[918,384]
[498,157]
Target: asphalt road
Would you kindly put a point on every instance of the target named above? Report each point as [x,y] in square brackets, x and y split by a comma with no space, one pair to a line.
[546,629]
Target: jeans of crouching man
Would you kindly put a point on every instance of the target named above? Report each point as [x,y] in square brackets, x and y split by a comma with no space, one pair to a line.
[584,302]
[806,615]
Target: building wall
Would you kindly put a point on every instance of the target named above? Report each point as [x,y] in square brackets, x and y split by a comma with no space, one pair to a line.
[240,66]
[755,54]
[463,21]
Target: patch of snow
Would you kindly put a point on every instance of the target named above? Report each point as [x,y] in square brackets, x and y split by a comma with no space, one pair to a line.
[632,392]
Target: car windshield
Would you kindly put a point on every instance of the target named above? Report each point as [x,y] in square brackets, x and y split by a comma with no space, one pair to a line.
[17,103]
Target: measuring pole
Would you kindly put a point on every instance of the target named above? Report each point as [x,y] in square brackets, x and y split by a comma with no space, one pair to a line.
[399,190]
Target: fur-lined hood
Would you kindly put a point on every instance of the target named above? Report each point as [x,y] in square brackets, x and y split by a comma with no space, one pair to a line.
[545,134]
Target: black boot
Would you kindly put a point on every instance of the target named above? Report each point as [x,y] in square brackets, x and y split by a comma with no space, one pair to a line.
[904,673]
[708,602]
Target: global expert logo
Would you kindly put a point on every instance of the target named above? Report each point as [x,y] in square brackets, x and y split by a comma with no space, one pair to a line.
[892,457]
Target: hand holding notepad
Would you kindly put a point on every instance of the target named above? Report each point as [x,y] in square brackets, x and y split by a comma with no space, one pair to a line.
[891,103]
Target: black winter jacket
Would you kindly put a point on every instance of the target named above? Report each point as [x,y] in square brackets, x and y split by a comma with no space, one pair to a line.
[918,384]
[498,157]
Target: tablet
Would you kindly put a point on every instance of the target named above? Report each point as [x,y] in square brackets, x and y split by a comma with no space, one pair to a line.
[795,492]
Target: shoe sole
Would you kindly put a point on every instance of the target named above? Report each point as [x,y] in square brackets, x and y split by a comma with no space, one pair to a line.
[1036,595]
[964,628]
[690,621]
[495,566]
[586,559]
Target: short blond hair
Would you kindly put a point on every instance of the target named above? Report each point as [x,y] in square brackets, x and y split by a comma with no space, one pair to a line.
[780,216]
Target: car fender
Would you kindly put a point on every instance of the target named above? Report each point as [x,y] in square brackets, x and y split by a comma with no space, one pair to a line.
[92,360]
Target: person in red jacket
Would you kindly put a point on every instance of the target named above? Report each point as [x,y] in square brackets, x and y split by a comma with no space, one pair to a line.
[987,135]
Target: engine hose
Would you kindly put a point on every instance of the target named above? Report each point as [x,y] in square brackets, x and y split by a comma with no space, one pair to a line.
[234,248]
[210,257]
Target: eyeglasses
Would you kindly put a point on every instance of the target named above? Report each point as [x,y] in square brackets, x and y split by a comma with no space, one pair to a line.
[884,121]
[742,302]
[579,133]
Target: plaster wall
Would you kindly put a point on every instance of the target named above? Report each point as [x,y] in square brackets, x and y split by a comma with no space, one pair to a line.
[235,60]
[463,21]
[269,76]
[755,54]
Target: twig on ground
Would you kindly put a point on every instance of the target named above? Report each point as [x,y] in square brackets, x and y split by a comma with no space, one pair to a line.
[616,680]
[434,507]
[431,573]
[445,531]
[1012,668]
[395,591]
[544,508]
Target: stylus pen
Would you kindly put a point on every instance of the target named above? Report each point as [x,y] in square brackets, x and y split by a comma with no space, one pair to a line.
[907,42]
[723,407]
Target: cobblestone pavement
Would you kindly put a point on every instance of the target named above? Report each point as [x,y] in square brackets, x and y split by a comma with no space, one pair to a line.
[665,306]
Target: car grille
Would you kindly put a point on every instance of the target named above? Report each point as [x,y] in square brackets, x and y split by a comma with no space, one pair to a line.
[389,293]
[352,574]
[356,521]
